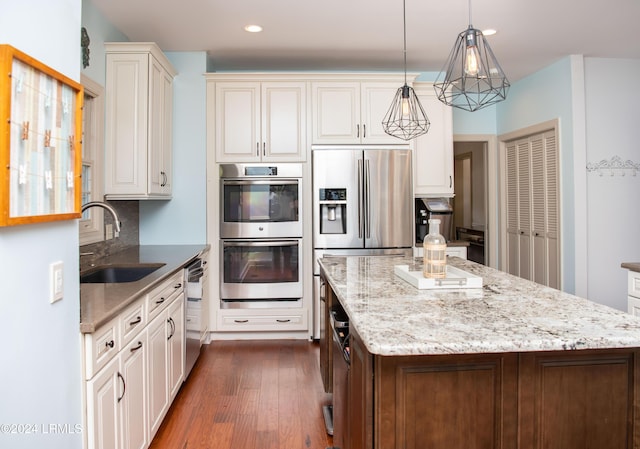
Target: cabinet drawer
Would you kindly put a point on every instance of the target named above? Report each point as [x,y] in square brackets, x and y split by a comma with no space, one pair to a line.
[101,347]
[132,321]
[272,322]
[634,284]
[162,295]
[633,305]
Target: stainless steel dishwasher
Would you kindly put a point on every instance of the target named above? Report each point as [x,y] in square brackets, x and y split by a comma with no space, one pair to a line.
[194,273]
[341,362]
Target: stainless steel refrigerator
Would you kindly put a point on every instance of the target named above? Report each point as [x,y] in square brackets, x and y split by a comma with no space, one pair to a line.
[362,205]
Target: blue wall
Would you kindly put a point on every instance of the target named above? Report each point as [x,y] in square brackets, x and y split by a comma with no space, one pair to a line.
[40,364]
[100,31]
[183,220]
[612,202]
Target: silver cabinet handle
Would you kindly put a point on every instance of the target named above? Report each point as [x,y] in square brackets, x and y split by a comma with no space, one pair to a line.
[257,148]
[364,131]
[358,131]
[124,386]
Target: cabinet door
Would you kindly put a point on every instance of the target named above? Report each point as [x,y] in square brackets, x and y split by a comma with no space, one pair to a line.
[433,161]
[160,129]
[237,128]
[336,112]
[376,100]
[283,123]
[133,366]
[176,345]
[103,426]
[360,412]
[157,372]
[578,399]
[127,91]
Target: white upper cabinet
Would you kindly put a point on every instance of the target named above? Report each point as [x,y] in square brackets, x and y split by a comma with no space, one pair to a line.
[259,121]
[139,121]
[351,112]
[433,151]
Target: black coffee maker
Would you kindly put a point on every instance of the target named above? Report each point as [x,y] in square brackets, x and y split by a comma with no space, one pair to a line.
[427,208]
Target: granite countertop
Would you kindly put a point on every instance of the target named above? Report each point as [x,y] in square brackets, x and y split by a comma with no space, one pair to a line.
[99,303]
[508,314]
[632,266]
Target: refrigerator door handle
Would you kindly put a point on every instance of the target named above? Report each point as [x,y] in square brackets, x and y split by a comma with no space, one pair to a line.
[360,201]
[367,205]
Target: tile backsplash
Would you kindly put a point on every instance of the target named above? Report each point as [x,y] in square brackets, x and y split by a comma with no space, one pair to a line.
[128,212]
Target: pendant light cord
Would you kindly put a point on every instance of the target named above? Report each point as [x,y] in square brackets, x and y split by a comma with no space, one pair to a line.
[469,13]
[404,26]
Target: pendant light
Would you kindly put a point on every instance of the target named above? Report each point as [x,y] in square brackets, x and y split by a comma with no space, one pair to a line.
[471,79]
[405,118]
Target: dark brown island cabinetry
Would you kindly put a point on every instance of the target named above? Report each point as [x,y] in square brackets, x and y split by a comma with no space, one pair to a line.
[568,399]
[498,401]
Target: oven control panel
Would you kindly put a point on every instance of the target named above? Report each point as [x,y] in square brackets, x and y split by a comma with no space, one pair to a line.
[260,171]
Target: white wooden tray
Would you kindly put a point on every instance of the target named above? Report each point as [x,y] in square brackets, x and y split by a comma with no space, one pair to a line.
[455,278]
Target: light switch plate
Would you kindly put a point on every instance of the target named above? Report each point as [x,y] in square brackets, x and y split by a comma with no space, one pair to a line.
[56,281]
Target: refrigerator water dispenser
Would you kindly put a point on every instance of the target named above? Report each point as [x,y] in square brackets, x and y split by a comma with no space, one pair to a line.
[333,211]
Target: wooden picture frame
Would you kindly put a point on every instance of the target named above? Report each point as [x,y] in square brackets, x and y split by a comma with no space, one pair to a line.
[40,141]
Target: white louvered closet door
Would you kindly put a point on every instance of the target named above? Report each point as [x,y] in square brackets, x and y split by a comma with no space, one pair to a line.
[513,236]
[532,208]
[553,209]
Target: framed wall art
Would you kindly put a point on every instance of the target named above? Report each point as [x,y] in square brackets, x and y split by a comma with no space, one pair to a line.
[40,141]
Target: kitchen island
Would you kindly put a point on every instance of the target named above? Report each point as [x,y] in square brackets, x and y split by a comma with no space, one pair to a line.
[510,365]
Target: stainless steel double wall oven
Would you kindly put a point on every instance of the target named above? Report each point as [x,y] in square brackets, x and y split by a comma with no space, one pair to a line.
[261,235]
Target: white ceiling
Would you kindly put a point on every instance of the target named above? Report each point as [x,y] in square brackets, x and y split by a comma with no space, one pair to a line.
[367,34]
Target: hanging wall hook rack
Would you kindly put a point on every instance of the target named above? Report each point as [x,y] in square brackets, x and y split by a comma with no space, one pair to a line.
[615,166]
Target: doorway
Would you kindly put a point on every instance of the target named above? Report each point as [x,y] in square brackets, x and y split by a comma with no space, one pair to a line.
[470,201]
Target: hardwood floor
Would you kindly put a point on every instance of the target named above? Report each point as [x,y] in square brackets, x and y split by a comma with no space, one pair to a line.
[249,395]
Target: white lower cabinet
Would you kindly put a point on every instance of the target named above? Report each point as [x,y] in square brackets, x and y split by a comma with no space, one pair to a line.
[166,360]
[458,251]
[130,392]
[133,369]
[116,399]
[633,290]
[243,320]
[103,423]
[158,372]
[176,346]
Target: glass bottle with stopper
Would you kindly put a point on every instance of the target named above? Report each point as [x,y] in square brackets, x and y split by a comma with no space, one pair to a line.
[435,247]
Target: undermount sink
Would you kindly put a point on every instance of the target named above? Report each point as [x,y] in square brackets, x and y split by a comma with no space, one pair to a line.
[109,274]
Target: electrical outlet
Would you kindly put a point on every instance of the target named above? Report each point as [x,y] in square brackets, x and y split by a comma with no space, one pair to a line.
[56,281]
[108,231]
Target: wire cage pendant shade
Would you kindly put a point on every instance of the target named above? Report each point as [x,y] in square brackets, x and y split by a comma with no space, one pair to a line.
[405,118]
[471,79]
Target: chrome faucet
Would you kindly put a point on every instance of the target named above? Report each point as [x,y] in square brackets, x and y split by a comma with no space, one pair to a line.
[107,207]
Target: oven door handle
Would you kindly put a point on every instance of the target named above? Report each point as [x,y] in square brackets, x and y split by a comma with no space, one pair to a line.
[248,182]
[261,243]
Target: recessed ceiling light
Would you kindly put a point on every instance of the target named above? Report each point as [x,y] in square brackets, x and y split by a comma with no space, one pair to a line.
[489,32]
[253,28]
